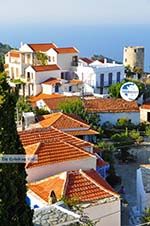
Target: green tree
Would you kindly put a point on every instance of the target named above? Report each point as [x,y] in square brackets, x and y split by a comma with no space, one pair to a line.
[147,131]
[146,217]
[23,105]
[42,58]
[114,89]
[13,208]
[77,107]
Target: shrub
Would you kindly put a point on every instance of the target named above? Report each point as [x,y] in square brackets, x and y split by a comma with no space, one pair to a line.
[134,134]
[123,123]
[147,131]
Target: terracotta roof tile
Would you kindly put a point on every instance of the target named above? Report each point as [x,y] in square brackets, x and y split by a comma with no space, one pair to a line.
[65,50]
[54,104]
[52,81]
[111,105]
[55,151]
[86,186]
[145,106]
[44,47]
[75,82]
[43,96]
[14,53]
[34,136]
[43,188]
[41,68]
[67,123]
[86,60]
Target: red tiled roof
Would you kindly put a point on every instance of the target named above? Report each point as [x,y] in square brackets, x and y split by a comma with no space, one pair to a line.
[87,60]
[14,53]
[43,96]
[101,162]
[41,68]
[64,122]
[55,151]
[53,104]
[42,46]
[85,186]
[43,188]
[65,50]
[111,105]
[145,106]
[52,81]
[33,136]
[75,82]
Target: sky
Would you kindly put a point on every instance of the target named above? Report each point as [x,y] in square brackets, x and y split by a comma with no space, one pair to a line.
[93,26]
[74,12]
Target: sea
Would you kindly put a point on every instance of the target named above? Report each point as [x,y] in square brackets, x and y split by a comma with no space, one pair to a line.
[108,40]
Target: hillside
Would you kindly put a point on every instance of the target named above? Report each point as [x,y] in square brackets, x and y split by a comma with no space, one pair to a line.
[4,48]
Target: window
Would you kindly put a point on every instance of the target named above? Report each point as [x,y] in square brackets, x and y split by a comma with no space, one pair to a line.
[148,116]
[56,89]
[28,76]
[62,75]
[28,58]
[17,72]
[101,80]
[135,50]
[125,59]
[70,88]
[118,76]
[110,79]
[49,59]
[53,59]
[75,61]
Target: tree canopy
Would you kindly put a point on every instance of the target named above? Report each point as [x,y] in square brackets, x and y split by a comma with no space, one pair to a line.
[13,208]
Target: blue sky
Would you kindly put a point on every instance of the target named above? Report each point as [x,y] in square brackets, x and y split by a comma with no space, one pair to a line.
[74,12]
[93,26]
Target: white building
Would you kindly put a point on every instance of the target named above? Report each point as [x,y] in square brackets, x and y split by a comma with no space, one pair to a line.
[99,75]
[94,195]
[26,65]
[111,109]
[143,187]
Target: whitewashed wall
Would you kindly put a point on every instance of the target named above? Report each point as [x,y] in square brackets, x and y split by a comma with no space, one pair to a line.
[38,173]
[141,195]
[107,214]
[112,117]
[65,60]
[143,114]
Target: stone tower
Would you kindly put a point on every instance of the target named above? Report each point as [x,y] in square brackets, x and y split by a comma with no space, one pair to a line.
[134,56]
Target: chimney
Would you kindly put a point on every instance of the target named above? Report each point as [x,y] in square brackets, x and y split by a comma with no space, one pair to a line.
[105,61]
[21,44]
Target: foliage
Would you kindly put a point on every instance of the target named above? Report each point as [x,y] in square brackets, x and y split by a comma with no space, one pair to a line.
[135,135]
[77,107]
[120,137]
[112,178]
[147,131]
[17,81]
[146,217]
[41,111]
[13,208]
[42,58]
[107,153]
[128,71]
[23,105]
[3,50]
[124,123]
[114,89]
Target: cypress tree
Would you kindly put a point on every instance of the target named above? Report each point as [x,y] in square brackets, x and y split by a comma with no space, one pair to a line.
[13,208]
